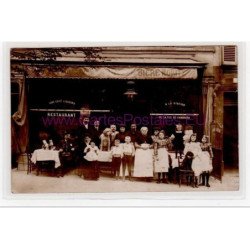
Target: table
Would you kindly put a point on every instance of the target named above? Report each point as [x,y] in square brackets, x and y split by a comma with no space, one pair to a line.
[46,155]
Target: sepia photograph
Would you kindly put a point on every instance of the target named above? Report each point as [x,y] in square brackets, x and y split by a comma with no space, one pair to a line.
[113,119]
[124,118]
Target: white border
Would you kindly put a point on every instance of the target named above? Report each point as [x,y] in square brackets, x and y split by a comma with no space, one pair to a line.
[235,198]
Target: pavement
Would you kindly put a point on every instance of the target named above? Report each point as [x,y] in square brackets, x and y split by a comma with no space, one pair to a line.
[23,183]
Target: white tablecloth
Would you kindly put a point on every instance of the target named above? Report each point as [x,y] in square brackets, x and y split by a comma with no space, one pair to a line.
[46,155]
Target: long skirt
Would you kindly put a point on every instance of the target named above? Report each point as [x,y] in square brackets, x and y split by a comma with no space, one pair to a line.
[161,163]
[206,163]
[143,166]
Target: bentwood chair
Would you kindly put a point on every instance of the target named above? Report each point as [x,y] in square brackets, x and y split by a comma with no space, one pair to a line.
[29,163]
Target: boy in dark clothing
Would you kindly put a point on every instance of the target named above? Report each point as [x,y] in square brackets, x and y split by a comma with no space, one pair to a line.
[177,138]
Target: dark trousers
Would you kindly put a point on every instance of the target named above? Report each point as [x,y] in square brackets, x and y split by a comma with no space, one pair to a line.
[127,162]
[67,162]
[116,163]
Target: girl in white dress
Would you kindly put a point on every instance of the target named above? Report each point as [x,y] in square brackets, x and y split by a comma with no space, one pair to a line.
[206,159]
[194,147]
[161,157]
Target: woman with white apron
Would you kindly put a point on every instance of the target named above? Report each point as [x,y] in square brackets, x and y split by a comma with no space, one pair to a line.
[143,166]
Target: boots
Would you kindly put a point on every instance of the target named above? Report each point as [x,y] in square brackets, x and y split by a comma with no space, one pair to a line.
[165,178]
[202,180]
[196,182]
[207,179]
[159,178]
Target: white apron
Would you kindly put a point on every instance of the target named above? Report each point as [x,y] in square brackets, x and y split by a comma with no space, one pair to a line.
[143,166]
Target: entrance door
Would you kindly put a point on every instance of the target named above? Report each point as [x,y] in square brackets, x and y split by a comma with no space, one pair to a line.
[230,140]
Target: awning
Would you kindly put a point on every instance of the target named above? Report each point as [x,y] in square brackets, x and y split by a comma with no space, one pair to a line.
[112,72]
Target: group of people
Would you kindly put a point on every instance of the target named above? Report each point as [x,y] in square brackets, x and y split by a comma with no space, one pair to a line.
[136,153]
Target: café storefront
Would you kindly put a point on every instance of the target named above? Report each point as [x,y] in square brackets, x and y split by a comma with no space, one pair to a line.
[155,93]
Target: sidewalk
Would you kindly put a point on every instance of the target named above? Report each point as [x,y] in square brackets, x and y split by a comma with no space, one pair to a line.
[23,183]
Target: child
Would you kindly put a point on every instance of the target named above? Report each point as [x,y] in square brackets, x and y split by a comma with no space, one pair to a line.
[155,136]
[161,157]
[91,172]
[206,159]
[104,154]
[105,140]
[117,154]
[177,138]
[91,152]
[128,156]
[194,147]
[122,134]
[187,133]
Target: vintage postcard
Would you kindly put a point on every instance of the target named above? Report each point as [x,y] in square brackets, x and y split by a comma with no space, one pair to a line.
[124,119]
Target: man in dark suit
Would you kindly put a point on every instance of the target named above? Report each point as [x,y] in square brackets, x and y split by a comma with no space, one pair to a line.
[133,133]
[85,128]
[96,132]
[82,131]
[67,153]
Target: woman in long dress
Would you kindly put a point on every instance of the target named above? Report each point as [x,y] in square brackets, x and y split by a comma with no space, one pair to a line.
[194,147]
[161,157]
[143,166]
[206,160]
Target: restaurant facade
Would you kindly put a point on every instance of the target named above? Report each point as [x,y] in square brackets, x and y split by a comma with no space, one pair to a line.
[51,88]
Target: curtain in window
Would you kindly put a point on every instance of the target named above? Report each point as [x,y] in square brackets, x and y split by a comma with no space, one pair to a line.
[19,123]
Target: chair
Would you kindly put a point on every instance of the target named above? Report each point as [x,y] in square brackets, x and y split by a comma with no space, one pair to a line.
[30,163]
[185,172]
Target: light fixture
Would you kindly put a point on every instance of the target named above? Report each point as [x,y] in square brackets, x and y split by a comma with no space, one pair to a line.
[130,92]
